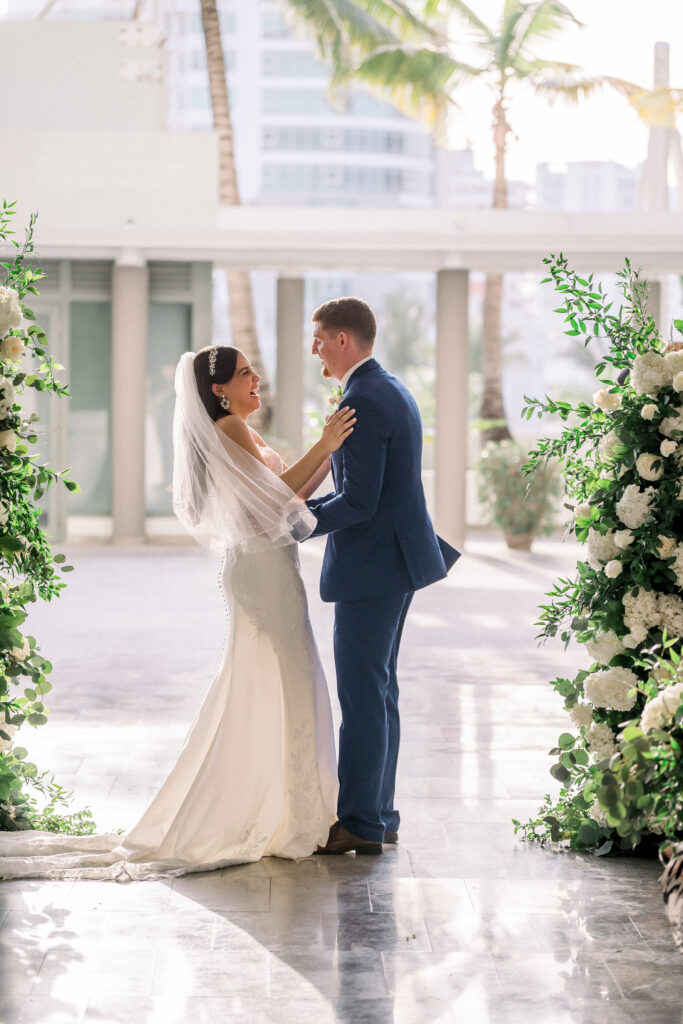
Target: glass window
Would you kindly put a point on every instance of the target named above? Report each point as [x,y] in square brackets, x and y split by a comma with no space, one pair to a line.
[167,338]
[89,434]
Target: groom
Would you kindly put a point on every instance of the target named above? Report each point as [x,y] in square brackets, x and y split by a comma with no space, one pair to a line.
[381,548]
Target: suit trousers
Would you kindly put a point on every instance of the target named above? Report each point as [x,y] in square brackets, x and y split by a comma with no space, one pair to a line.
[367,636]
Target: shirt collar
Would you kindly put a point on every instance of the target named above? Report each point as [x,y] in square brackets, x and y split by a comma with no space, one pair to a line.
[345,379]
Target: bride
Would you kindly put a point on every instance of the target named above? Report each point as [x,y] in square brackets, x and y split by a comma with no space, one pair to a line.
[257,773]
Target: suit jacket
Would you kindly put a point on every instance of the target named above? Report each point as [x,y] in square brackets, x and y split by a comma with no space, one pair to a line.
[380,537]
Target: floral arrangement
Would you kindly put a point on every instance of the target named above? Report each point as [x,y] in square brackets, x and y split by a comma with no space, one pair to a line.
[521,508]
[621,765]
[29,571]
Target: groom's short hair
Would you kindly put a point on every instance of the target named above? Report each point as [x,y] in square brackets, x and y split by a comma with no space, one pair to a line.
[348,314]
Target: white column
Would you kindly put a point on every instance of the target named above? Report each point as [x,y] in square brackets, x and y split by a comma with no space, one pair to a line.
[452,365]
[289,379]
[130,301]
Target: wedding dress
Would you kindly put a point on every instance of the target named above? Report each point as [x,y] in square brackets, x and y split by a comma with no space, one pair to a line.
[257,772]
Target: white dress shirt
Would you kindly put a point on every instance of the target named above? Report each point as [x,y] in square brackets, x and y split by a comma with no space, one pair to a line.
[345,379]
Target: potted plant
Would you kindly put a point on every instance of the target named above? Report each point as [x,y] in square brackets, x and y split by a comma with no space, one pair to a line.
[520,509]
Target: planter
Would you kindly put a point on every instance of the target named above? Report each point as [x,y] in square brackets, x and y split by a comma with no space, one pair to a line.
[519,541]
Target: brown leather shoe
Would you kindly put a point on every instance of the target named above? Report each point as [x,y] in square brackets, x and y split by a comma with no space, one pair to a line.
[340,840]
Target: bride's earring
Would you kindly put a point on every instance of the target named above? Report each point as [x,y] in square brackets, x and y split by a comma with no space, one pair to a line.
[225,403]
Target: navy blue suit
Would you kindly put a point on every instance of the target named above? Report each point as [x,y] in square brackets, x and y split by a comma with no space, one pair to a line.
[381,547]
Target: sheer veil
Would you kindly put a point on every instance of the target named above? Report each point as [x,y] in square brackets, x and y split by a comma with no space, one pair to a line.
[222,495]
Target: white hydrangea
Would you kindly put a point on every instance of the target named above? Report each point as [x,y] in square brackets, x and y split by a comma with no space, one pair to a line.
[610,687]
[649,411]
[600,740]
[674,361]
[21,653]
[633,508]
[624,538]
[581,714]
[11,731]
[11,349]
[598,815]
[670,608]
[606,400]
[641,613]
[649,373]
[665,546]
[4,513]
[601,548]
[613,569]
[604,646]
[10,310]
[667,447]
[8,440]
[650,466]
[660,711]
[678,565]
[672,424]
[678,381]
[607,444]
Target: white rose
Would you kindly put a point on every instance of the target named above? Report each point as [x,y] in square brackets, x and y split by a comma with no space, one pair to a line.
[649,466]
[678,381]
[5,408]
[648,412]
[11,349]
[665,546]
[581,714]
[631,640]
[10,310]
[8,440]
[613,569]
[667,448]
[582,511]
[623,538]
[21,653]
[606,400]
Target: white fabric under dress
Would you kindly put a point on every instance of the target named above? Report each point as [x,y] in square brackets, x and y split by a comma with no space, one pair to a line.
[257,772]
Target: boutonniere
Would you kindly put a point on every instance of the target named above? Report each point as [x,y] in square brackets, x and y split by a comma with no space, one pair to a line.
[335,398]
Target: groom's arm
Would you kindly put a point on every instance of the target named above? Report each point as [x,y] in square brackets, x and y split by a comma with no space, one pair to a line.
[363,458]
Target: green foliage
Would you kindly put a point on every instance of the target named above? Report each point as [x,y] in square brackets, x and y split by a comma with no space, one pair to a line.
[29,571]
[514,503]
[620,768]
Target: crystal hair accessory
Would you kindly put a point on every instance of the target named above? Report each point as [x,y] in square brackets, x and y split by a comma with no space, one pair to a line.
[213,353]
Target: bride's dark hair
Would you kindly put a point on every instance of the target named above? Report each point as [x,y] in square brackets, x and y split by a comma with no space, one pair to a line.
[224,369]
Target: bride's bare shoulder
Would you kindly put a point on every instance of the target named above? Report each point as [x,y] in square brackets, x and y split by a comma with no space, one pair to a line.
[238,431]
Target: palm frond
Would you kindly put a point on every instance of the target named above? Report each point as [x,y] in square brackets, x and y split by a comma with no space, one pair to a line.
[655,106]
[570,86]
[439,10]
[542,19]
[402,20]
[417,80]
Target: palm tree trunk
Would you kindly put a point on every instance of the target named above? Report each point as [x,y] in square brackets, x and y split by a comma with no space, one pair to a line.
[492,408]
[242,320]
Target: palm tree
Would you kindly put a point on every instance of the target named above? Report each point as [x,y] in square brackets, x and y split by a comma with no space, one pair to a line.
[406,55]
[242,318]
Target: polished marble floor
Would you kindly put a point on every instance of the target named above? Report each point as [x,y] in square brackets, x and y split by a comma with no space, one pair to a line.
[460,922]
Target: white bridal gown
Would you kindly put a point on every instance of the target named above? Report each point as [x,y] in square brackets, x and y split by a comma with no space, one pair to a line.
[257,773]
